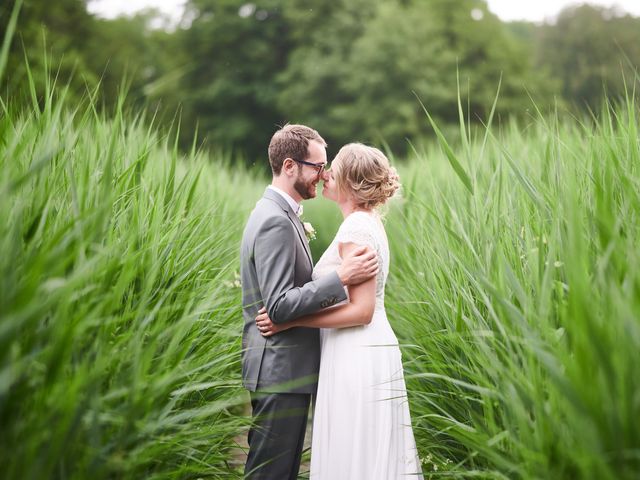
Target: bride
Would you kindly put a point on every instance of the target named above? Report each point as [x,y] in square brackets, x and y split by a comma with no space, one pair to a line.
[361,427]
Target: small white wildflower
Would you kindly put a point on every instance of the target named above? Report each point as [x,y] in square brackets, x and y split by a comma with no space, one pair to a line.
[235,283]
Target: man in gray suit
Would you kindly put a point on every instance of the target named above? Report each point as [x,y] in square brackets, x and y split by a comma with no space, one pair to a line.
[276,266]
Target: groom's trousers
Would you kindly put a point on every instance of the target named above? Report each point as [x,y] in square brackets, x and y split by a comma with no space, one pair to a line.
[277,436]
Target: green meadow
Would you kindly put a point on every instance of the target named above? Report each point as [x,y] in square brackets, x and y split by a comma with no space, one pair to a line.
[514,288]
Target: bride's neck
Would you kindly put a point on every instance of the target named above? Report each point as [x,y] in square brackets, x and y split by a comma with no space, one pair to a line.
[348,207]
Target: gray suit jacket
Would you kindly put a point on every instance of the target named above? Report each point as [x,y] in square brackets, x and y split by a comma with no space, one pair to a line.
[275,270]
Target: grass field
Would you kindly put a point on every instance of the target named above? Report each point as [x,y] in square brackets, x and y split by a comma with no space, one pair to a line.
[515,290]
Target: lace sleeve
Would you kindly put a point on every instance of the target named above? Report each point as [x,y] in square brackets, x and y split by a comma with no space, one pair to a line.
[356,229]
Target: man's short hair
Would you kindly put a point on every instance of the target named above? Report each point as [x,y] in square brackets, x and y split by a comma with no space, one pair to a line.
[291,141]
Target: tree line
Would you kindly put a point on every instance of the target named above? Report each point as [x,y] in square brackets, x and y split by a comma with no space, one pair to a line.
[354,69]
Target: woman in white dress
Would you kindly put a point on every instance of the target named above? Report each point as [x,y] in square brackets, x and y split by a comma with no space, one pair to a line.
[361,426]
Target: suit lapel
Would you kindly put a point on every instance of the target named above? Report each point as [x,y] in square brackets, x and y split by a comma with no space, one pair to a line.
[271,195]
[303,236]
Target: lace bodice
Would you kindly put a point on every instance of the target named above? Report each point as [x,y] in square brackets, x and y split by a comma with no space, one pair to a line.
[361,228]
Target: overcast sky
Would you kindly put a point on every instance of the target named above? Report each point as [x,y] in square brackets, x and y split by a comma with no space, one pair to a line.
[532,10]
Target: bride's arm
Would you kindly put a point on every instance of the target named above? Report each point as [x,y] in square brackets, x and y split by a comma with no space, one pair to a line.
[359,310]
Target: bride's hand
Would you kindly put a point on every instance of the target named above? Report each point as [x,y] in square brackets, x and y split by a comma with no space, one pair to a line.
[265,325]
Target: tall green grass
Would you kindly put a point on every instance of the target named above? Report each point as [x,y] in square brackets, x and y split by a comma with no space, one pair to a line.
[119,318]
[516,288]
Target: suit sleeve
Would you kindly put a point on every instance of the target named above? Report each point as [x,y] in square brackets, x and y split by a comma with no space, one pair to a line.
[276,275]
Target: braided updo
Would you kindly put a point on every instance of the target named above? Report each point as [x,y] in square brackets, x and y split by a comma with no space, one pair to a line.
[364,173]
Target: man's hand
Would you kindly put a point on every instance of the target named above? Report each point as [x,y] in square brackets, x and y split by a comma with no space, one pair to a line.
[359,264]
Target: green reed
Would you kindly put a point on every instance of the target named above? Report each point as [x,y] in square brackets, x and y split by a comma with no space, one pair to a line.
[119,318]
[519,300]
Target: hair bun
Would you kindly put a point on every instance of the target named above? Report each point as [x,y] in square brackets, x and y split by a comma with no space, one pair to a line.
[392,182]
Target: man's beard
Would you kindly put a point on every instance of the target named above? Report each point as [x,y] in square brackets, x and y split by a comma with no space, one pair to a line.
[304,189]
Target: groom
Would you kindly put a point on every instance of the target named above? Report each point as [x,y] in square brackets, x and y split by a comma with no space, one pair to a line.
[281,371]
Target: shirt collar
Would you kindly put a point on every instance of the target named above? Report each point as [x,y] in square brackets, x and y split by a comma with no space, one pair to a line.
[295,206]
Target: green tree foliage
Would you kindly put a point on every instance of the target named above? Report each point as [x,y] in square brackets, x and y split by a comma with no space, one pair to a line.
[235,51]
[62,40]
[53,32]
[400,50]
[127,50]
[351,68]
[590,47]
[314,88]
[236,69]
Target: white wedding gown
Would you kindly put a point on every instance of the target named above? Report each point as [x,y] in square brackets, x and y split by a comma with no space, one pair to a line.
[361,426]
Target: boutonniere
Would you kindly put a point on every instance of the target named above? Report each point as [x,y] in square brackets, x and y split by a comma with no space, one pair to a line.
[309,231]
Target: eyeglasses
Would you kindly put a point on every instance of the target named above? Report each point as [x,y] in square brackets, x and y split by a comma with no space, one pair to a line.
[319,167]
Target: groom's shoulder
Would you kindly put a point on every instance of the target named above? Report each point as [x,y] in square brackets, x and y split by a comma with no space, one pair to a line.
[266,212]
[266,208]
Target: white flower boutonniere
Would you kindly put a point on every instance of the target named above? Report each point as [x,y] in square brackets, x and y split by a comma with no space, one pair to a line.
[309,231]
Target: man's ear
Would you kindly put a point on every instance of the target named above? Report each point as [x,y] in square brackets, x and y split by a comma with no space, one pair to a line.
[288,166]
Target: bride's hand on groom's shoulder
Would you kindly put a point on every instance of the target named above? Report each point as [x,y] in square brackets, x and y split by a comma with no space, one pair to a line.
[265,325]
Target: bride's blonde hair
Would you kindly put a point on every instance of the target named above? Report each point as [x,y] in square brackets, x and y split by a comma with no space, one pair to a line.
[365,173]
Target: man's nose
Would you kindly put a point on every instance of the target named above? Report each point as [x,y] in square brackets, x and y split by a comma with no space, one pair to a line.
[324,175]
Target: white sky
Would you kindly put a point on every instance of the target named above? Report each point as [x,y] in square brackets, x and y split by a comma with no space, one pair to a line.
[539,10]
[532,10]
